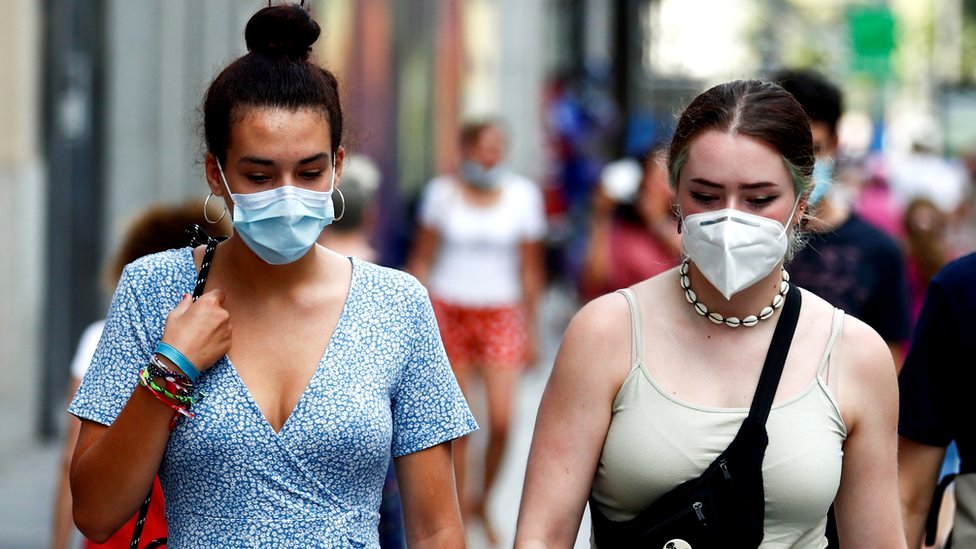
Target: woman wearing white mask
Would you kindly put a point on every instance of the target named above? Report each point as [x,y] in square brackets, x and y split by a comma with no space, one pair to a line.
[271,405]
[655,412]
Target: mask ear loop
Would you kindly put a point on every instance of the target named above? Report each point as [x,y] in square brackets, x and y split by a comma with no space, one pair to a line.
[336,189]
[789,220]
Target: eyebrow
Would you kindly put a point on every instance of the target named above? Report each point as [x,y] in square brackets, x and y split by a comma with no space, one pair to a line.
[756,185]
[268,162]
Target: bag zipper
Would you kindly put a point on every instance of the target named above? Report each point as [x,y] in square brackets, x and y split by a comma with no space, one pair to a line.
[725,470]
[697,506]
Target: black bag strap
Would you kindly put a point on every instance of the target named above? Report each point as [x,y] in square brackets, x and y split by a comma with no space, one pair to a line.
[932,519]
[198,237]
[779,347]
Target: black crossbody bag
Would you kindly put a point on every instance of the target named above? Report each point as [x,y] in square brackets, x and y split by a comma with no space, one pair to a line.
[724,507]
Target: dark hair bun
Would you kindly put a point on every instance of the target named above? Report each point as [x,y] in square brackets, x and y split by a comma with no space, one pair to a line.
[282,31]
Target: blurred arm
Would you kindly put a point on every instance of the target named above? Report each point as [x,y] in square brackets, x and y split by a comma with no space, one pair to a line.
[64,525]
[533,281]
[422,255]
[918,473]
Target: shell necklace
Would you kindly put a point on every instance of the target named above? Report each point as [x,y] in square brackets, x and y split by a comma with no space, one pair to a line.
[731,321]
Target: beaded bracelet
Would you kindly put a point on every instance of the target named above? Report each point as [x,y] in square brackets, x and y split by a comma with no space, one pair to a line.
[177,358]
[158,369]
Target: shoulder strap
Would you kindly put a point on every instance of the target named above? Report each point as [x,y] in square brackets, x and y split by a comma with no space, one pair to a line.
[197,237]
[779,347]
[835,328]
[637,349]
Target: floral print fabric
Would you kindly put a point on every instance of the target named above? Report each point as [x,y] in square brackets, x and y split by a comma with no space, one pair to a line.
[383,388]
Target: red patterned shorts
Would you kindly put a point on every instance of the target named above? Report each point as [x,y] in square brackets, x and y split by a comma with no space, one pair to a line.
[491,337]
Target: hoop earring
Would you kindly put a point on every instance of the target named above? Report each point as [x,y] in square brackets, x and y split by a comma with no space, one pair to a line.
[343,206]
[222,214]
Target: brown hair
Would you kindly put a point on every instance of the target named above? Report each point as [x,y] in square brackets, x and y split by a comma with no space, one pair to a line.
[158,228]
[471,130]
[760,110]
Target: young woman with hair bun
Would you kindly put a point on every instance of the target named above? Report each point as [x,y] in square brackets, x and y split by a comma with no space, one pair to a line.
[271,405]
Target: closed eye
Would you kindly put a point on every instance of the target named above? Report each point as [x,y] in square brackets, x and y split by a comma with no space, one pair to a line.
[761,201]
[258,178]
[703,198]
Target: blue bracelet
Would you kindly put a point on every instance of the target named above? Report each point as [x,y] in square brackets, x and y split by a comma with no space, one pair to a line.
[177,358]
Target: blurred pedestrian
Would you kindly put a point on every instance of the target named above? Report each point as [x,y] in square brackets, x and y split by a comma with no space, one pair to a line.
[650,395]
[633,231]
[848,262]
[926,248]
[350,236]
[936,389]
[158,228]
[479,252]
[272,404]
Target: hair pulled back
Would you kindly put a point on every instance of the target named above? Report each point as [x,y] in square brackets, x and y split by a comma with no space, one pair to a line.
[760,110]
[276,72]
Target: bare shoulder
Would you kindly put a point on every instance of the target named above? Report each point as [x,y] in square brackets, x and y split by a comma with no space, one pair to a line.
[868,380]
[596,346]
[867,358]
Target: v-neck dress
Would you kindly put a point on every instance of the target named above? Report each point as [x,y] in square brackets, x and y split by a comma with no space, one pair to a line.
[383,388]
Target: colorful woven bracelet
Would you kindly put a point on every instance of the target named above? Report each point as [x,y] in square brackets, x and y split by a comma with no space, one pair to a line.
[168,351]
[185,399]
[178,408]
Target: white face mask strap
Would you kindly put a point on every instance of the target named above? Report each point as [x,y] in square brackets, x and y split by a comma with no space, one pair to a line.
[223,178]
[332,182]
[789,220]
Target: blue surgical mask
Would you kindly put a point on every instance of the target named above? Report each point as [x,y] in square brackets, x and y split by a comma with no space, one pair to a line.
[281,225]
[822,178]
[479,176]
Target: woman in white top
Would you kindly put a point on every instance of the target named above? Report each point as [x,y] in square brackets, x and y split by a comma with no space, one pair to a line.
[622,430]
[479,253]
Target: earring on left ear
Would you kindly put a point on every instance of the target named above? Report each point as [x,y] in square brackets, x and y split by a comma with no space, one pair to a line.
[343,212]
[206,215]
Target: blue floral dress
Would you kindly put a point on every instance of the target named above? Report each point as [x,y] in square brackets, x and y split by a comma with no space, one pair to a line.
[383,388]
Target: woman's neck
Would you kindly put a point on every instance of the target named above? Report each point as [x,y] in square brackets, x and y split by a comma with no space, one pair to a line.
[238,267]
[750,301]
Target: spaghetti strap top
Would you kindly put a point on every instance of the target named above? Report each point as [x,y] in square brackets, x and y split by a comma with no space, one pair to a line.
[636,345]
[655,442]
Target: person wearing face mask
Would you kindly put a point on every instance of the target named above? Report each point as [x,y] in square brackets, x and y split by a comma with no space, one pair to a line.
[478,250]
[717,404]
[847,261]
[272,400]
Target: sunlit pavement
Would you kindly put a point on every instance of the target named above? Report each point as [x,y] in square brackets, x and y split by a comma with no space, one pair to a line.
[28,473]
[28,469]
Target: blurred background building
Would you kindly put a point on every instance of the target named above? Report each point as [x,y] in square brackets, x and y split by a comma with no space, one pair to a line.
[101,98]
